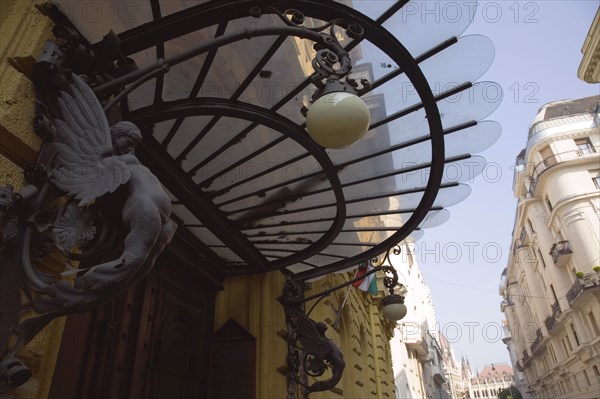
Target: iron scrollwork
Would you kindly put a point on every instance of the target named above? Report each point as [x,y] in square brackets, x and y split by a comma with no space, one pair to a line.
[310,351]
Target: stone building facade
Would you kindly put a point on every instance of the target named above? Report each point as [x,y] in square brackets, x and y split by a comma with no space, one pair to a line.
[551,287]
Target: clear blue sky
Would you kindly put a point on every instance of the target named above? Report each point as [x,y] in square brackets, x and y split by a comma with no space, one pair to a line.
[538,51]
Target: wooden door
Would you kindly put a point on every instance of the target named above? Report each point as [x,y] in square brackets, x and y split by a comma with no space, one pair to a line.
[152,342]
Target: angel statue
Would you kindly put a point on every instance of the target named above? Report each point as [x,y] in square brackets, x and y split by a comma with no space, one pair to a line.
[93,160]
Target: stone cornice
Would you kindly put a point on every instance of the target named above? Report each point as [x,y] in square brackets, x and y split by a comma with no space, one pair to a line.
[589,69]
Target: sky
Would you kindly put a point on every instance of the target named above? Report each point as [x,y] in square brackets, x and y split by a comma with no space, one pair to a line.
[537,54]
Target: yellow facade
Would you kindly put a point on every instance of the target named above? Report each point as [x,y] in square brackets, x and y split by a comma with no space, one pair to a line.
[23,32]
[362,334]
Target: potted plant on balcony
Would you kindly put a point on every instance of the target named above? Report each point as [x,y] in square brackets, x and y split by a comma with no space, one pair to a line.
[596,269]
[579,274]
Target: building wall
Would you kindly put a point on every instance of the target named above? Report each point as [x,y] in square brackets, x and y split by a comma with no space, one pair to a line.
[23,32]
[422,362]
[552,314]
[362,334]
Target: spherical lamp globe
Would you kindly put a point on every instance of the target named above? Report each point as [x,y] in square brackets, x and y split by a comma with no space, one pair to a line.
[337,120]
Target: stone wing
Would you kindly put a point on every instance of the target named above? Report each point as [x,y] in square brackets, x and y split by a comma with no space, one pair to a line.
[85,166]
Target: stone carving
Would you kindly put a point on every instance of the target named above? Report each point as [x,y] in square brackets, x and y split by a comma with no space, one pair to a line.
[92,192]
[92,161]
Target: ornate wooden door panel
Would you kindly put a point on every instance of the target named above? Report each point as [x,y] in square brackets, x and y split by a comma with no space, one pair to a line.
[176,365]
[150,343]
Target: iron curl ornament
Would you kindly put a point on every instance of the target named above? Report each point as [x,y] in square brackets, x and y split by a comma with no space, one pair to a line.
[310,352]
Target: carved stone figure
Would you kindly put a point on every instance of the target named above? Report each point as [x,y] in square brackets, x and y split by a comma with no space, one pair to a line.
[92,188]
[93,160]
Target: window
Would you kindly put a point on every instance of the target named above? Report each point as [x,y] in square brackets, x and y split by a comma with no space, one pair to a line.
[553,293]
[585,146]
[596,371]
[547,156]
[541,258]
[523,235]
[595,174]
[553,359]
[574,334]
[586,377]
[576,380]
[567,346]
[530,226]
[594,323]
[549,203]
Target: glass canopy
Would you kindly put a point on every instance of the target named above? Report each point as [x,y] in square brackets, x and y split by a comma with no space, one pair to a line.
[224,131]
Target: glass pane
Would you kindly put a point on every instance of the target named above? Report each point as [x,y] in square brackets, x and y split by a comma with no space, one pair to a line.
[189,129]
[258,187]
[421,25]
[435,218]
[215,136]
[172,6]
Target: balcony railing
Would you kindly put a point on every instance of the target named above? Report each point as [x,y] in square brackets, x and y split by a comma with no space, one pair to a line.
[413,335]
[586,282]
[561,253]
[554,160]
[536,342]
[552,320]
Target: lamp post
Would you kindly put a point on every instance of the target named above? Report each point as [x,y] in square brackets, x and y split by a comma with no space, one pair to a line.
[310,352]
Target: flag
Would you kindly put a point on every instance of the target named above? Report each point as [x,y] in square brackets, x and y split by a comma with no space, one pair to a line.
[368,283]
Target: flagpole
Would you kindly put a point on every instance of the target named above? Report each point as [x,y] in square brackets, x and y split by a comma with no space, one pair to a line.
[338,312]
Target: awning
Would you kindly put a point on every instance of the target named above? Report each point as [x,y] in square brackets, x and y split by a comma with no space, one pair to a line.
[224,131]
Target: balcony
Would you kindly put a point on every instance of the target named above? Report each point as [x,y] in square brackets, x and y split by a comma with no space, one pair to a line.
[561,253]
[413,336]
[555,160]
[438,374]
[588,281]
[535,345]
[552,320]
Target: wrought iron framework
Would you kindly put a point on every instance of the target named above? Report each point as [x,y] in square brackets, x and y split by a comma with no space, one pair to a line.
[210,212]
[247,231]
